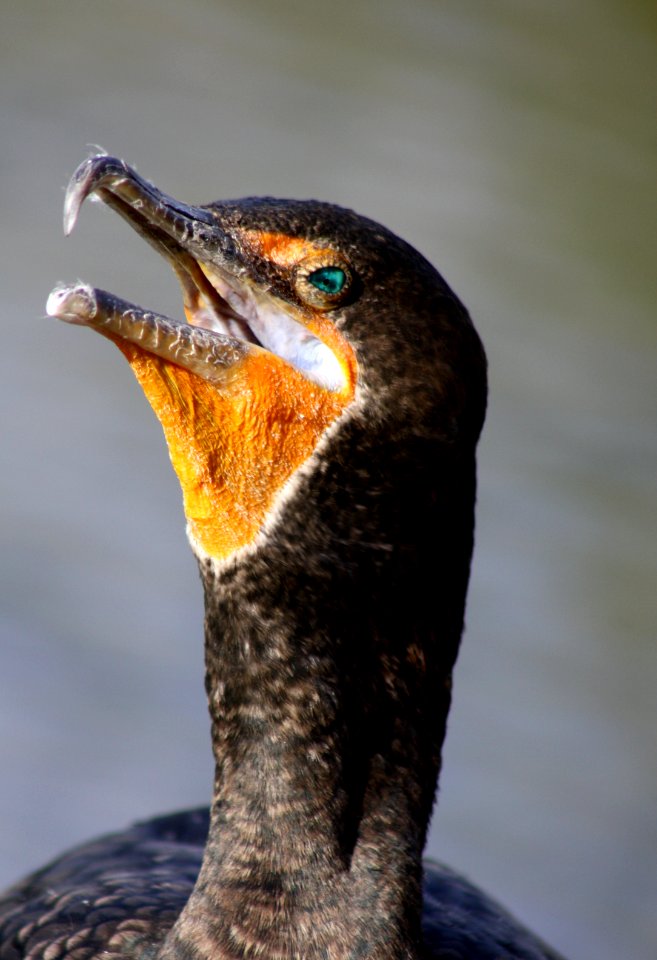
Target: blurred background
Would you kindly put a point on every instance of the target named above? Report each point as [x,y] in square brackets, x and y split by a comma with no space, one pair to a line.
[515,145]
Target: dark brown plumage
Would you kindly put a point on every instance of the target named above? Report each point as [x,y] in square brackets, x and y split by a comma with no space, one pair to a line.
[332,620]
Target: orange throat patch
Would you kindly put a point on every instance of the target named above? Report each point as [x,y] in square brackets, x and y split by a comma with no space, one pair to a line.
[235,443]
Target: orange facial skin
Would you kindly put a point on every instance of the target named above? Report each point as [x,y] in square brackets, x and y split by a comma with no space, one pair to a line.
[235,443]
[287,252]
[278,248]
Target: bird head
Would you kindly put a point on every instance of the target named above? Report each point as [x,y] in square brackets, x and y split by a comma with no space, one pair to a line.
[315,341]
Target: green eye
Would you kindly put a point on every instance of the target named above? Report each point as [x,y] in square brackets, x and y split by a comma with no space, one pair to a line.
[329,280]
[324,279]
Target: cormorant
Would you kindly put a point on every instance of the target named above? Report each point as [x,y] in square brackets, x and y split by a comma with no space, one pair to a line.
[321,405]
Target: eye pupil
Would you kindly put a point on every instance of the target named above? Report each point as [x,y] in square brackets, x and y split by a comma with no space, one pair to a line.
[329,280]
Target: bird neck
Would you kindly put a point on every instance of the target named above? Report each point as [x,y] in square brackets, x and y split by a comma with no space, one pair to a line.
[328,686]
[319,812]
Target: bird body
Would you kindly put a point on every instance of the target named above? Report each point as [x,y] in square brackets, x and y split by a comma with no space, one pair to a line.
[120,895]
[321,405]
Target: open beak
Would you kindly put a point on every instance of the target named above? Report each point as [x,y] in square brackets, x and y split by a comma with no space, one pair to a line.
[218,289]
[244,388]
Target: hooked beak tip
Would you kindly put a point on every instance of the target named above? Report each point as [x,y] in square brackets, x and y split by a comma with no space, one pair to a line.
[87,179]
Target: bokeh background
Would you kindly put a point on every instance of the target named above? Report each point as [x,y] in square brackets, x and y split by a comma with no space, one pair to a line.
[515,144]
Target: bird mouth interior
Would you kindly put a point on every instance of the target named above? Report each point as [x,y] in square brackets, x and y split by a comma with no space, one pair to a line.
[204,289]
